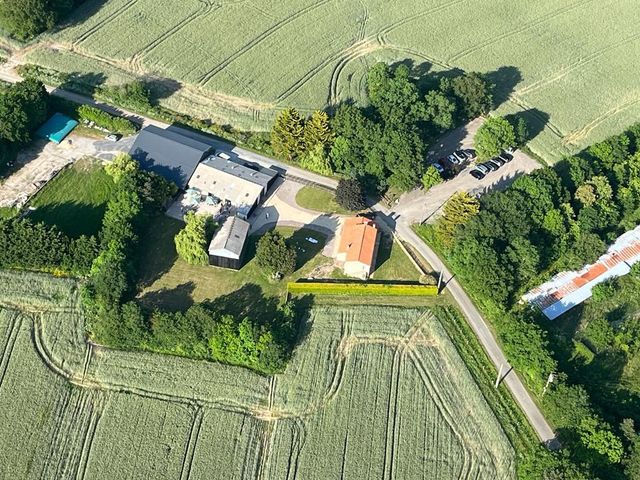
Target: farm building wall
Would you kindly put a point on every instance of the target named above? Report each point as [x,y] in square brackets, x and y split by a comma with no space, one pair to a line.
[225,262]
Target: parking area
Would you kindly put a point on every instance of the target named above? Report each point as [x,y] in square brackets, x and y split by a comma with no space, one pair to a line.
[419,206]
[42,160]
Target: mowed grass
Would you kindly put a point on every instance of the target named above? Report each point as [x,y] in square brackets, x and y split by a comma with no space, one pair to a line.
[559,61]
[75,200]
[365,380]
[320,200]
[167,281]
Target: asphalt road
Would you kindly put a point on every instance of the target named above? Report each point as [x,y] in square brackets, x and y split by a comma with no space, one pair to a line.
[403,229]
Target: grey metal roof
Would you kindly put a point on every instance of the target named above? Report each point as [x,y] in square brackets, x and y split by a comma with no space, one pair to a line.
[230,239]
[244,170]
[168,153]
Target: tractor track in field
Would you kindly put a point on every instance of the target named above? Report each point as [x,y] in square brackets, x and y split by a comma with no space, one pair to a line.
[444,410]
[576,65]
[403,21]
[96,416]
[12,336]
[204,79]
[364,47]
[192,444]
[298,439]
[111,17]
[522,28]
[350,53]
[391,432]
[574,137]
[206,7]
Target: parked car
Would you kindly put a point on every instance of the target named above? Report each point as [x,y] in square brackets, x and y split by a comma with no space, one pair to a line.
[438,167]
[460,155]
[511,150]
[498,160]
[113,137]
[482,168]
[507,157]
[477,173]
[470,153]
[492,167]
[453,159]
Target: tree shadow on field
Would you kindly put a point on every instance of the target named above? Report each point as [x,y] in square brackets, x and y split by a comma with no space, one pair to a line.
[160,88]
[81,13]
[536,121]
[504,81]
[85,83]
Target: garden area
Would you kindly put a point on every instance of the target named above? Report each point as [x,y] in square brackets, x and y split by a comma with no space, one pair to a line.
[75,200]
[320,200]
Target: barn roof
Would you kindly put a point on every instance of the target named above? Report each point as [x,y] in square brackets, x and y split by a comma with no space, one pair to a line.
[169,154]
[229,241]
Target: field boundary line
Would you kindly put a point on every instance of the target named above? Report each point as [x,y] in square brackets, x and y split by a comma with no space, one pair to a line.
[576,135]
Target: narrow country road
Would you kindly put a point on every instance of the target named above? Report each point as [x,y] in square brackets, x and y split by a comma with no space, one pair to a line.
[402,227]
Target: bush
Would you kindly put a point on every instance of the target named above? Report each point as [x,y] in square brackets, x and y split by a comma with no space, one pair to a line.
[349,194]
[274,256]
[105,120]
[133,96]
[431,178]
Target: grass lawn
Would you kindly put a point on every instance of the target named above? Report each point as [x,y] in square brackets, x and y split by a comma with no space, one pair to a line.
[167,282]
[319,200]
[75,200]
[7,212]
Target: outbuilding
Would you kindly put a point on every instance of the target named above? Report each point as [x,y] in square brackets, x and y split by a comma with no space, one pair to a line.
[240,183]
[228,244]
[170,154]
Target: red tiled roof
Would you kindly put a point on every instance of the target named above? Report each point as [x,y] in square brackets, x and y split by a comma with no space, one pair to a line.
[358,240]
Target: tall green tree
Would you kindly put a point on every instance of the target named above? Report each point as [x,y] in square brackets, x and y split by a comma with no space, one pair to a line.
[23,107]
[287,134]
[349,194]
[495,135]
[458,210]
[440,110]
[394,94]
[473,93]
[24,19]
[274,256]
[317,131]
[191,241]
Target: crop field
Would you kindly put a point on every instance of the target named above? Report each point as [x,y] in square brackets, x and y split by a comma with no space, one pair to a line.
[372,392]
[570,64]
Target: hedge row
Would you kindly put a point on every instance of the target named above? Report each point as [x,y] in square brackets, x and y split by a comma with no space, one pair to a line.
[374,289]
[105,120]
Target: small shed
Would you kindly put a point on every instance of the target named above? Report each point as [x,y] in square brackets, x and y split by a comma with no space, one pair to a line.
[57,128]
[228,244]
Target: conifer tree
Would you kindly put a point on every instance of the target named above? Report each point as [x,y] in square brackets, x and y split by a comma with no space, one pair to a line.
[287,134]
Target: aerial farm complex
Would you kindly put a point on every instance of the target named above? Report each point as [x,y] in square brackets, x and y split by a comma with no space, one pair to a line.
[319,239]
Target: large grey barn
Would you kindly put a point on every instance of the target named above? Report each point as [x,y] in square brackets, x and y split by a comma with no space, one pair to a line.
[169,154]
[227,246]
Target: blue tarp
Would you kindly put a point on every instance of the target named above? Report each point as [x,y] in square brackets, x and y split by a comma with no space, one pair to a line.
[57,128]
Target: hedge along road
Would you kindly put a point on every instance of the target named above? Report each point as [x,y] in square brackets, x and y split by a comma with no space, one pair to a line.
[402,228]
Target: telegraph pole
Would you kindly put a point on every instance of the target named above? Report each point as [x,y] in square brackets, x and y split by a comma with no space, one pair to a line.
[499,377]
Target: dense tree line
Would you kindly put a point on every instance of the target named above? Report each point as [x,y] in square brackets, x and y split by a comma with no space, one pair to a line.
[24,107]
[383,144]
[24,19]
[29,246]
[115,319]
[507,242]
